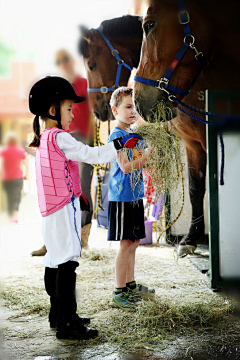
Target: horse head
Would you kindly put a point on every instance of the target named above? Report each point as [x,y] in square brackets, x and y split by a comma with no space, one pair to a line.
[93,50]
[102,64]
[163,39]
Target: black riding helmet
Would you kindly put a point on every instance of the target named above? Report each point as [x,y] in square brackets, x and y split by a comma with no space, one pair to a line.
[51,89]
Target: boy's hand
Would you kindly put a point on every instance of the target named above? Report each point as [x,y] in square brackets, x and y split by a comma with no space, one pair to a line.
[84,204]
[127,141]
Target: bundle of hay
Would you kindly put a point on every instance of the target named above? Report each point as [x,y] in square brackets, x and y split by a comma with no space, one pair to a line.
[164,158]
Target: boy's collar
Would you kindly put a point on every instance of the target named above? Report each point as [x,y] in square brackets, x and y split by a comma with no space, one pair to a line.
[128,130]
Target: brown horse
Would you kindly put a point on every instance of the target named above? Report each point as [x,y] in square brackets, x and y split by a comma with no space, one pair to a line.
[215,32]
[125,34]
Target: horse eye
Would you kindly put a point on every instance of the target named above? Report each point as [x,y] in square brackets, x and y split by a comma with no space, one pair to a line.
[148,26]
[91,67]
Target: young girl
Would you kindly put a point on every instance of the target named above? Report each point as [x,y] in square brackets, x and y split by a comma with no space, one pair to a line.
[58,183]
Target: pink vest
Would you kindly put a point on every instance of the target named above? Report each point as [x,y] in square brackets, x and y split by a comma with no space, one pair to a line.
[57,177]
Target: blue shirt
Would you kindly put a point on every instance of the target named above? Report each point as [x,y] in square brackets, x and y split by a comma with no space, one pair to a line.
[119,187]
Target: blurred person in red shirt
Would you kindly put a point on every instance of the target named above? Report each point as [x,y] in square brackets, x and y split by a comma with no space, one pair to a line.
[13,159]
[82,129]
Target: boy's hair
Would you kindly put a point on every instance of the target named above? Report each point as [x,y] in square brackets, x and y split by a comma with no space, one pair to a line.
[119,94]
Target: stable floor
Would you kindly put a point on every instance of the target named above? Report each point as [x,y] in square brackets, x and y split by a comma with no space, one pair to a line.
[184,320]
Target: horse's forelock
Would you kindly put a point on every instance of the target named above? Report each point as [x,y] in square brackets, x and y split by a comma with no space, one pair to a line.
[86,46]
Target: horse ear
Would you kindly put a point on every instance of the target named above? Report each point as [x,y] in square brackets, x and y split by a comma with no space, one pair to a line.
[85,33]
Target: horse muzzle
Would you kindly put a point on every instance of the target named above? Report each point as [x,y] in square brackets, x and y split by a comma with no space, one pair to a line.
[103,113]
[146,101]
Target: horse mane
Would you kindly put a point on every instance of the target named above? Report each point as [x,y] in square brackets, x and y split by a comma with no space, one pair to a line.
[123,26]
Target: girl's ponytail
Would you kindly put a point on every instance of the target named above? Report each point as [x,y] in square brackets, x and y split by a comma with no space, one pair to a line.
[36,129]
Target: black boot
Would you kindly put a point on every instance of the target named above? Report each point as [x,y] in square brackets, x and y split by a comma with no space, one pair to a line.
[69,325]
[81,320]
[70,331]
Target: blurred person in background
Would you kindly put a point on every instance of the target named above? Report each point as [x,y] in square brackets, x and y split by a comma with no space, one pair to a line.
[13,160]
[82,129]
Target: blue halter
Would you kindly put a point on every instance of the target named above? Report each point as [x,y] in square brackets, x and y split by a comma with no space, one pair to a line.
[163,83]
[120,62]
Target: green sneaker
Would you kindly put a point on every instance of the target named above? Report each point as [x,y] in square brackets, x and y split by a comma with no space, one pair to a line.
[123,301]
[143,290]
[133,296]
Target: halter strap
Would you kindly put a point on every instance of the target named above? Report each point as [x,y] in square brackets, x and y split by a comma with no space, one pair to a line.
[120,62]
[188,42]
[184,18]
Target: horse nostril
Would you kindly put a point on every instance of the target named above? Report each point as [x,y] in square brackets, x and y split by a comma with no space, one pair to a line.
[96,114]
[136,104]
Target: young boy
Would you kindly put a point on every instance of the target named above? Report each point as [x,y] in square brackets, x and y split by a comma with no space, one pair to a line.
[125,211]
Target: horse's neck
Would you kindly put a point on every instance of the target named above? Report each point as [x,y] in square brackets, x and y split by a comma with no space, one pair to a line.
[226,26]
[132,44]
[224,35]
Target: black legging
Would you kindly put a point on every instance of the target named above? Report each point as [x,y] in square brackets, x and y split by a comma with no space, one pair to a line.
[13,190]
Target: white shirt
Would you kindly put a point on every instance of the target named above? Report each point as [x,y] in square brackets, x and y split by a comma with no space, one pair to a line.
[58,229]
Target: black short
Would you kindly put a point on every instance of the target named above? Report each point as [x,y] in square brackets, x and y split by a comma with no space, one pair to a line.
[126,220]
